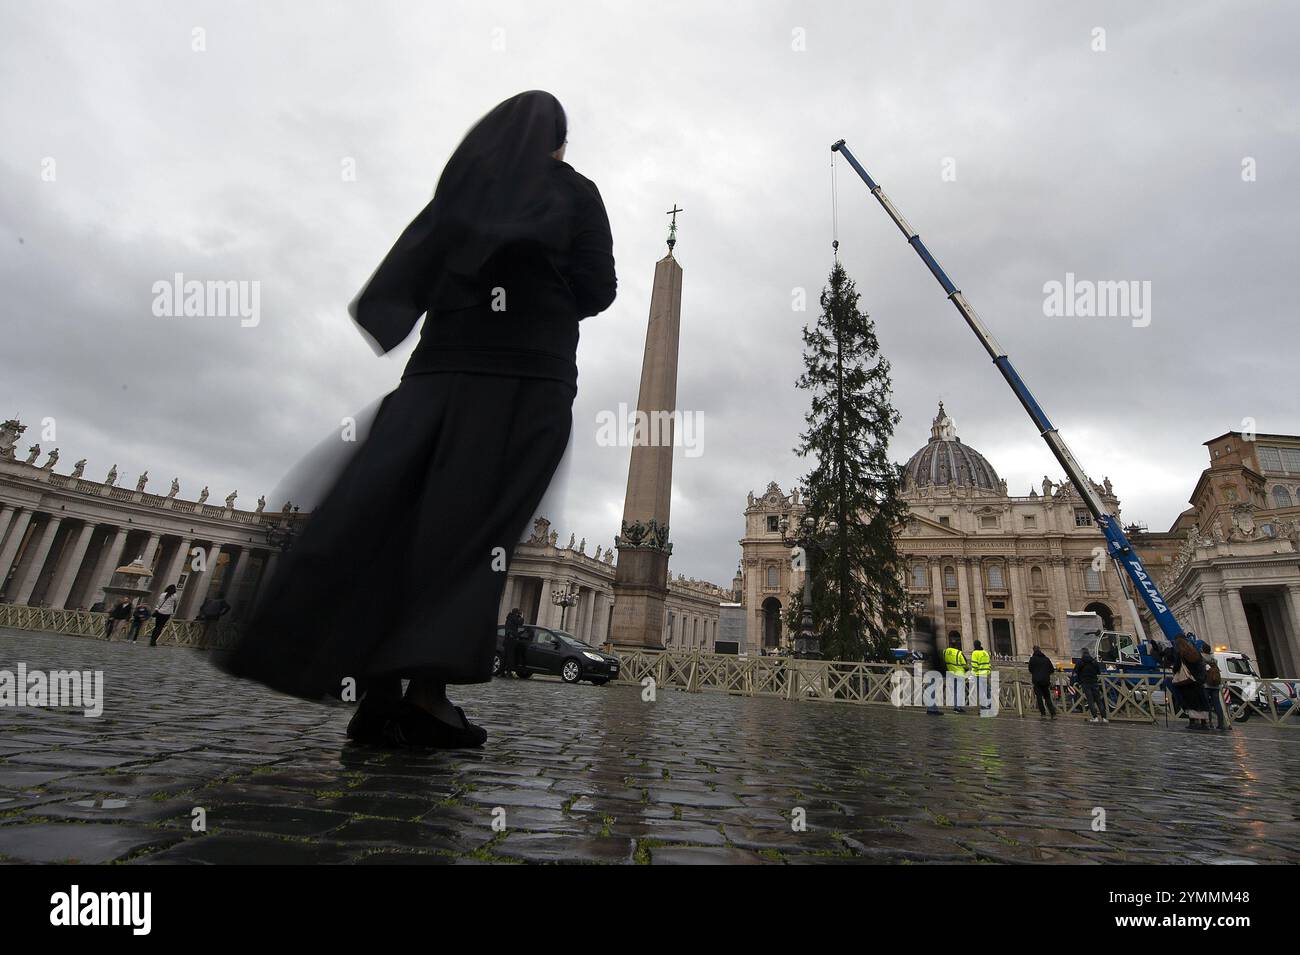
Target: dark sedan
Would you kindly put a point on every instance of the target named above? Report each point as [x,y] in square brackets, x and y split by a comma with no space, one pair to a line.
[559,654]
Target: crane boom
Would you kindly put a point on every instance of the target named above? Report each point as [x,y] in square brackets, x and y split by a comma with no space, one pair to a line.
[1120,550]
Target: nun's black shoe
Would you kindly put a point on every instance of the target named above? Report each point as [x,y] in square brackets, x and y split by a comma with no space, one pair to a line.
[420,729]
[367,726]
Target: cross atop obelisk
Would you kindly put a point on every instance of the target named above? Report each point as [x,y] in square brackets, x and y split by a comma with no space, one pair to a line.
[672,229]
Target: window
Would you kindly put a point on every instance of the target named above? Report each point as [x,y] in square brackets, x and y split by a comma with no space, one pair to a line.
[772,579]
[949,579]
[773,522]
[1286,460]
[988,520]
[1030,522]
[999,605]
[1092,578]
[1082,518]
[950,603]
[919,578]
[945,521]
[996,581]
[1281,497]
[1036,578]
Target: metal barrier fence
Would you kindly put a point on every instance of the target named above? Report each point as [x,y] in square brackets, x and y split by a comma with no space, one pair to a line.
[84,623]
[1130,698]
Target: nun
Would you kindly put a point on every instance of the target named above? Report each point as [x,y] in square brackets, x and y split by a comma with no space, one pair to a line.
[399,571]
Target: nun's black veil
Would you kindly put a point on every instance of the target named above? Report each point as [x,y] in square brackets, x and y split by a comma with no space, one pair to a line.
[496,190]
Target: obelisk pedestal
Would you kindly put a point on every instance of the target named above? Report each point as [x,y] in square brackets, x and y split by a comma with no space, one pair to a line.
[641,576]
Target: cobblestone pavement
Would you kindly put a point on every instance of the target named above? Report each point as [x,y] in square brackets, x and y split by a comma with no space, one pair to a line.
[587,774]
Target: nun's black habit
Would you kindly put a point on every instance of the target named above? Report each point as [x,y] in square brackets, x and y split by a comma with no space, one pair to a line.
[393,574]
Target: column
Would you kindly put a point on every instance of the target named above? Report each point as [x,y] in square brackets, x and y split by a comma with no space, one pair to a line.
[1215,631]
[977,598]
[61,588]
[936,598]
[1291,655]
[588,604]
[963,598]
[109,561]
[171,573]
[1238,628]
[1023,640]
[235,580]
[196,588]
[41,552]
[600,617]
[6,515]
[1061,600]
[150,551]
[10,549]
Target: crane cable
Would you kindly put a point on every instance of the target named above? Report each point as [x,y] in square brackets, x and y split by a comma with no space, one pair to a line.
[835,213]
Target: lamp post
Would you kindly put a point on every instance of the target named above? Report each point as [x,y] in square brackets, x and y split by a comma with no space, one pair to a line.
[280,533]
[807,536]
[564,598]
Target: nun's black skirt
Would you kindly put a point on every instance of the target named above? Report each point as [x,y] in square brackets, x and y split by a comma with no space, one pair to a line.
[400,570]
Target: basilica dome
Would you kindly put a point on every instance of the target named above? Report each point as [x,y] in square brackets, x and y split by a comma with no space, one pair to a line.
[946,462]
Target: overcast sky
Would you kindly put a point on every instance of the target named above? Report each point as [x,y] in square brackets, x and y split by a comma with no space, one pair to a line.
[227,164]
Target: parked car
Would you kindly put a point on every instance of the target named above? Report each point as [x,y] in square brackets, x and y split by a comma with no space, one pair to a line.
[559,654]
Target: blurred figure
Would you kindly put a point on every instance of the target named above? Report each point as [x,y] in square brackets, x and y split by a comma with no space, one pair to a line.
[513,251]
[121,612]
[138,618]
[1213,686]
[163,612]
[1087,674]
[1040,673]
[1189,678]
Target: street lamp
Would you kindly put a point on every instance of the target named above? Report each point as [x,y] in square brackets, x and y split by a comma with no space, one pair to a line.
[564,599]
[807,537]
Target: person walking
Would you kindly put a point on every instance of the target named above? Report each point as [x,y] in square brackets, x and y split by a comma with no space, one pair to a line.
[513,251]
[510,662]
[1189,678]
[1087,674]
[1040,674]
[955,666]
[1213,686]
[138,617]
[121,612]
[982,666]
[163,612]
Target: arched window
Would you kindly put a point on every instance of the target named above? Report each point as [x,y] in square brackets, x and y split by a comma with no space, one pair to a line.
[772,578]
[1092,578]
[919,578]
[1036,578]
[996,580]
[949,579]
[1281,497]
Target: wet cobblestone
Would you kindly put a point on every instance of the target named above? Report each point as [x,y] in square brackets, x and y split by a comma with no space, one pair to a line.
[596,775]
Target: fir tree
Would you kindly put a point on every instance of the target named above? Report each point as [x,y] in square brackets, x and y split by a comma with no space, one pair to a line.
[858,593]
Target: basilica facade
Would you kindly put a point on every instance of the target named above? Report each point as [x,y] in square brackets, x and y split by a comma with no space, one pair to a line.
[980,563]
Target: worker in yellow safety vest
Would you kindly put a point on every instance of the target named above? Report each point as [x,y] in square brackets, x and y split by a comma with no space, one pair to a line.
[981,666]
[954,662]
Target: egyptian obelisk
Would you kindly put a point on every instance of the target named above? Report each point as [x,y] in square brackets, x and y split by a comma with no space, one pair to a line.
[641,577]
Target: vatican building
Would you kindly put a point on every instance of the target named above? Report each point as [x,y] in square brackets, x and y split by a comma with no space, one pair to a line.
[980,563]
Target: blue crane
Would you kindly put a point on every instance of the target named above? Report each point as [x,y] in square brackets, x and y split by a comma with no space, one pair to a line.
[1120,550]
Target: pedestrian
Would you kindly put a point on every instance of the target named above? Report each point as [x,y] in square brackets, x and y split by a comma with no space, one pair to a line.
[954,662]
[138,618]
[1040,673]
[214,608]
[510,645]
[1087,674]
[1189,678]
[163,612]
[982,667]
[121,611]
[512,251]
[1213,686]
